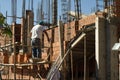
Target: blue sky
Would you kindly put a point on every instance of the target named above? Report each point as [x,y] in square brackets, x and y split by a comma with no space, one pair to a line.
[5,5]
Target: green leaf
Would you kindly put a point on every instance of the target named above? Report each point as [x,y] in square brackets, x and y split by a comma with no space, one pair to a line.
[2,19]
[6,30]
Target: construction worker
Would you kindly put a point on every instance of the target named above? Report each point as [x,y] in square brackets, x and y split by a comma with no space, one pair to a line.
[36,36]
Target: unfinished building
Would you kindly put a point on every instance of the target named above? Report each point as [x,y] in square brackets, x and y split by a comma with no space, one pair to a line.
[80,49]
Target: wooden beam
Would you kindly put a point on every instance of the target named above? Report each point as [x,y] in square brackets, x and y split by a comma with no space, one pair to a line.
[28,64]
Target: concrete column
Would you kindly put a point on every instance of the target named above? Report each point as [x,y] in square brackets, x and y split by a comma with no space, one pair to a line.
[114,57]
[100,49]
[29,18]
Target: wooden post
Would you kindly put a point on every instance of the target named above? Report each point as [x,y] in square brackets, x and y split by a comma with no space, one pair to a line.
[61,36]
[72,74]
[14,51]
[22,33]
[85,58]
[30,18]
[60,29]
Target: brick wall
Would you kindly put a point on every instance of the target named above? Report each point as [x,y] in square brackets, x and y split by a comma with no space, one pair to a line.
[54,34]
[68,28]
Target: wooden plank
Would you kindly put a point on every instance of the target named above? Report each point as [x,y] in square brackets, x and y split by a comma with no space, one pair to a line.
[27,64]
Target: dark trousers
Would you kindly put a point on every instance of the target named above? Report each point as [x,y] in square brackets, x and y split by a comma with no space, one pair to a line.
[36,48]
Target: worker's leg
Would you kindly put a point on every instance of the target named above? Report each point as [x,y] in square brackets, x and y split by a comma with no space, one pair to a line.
[34,48]
[34,52]
[39,52]
[38,48]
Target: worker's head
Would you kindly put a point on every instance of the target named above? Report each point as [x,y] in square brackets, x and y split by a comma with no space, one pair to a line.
[41,23]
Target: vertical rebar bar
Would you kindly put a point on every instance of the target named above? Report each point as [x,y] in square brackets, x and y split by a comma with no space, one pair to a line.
[54,12]
[23,8]
[64,7]
[49,11]
[32,5]
[77,5]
